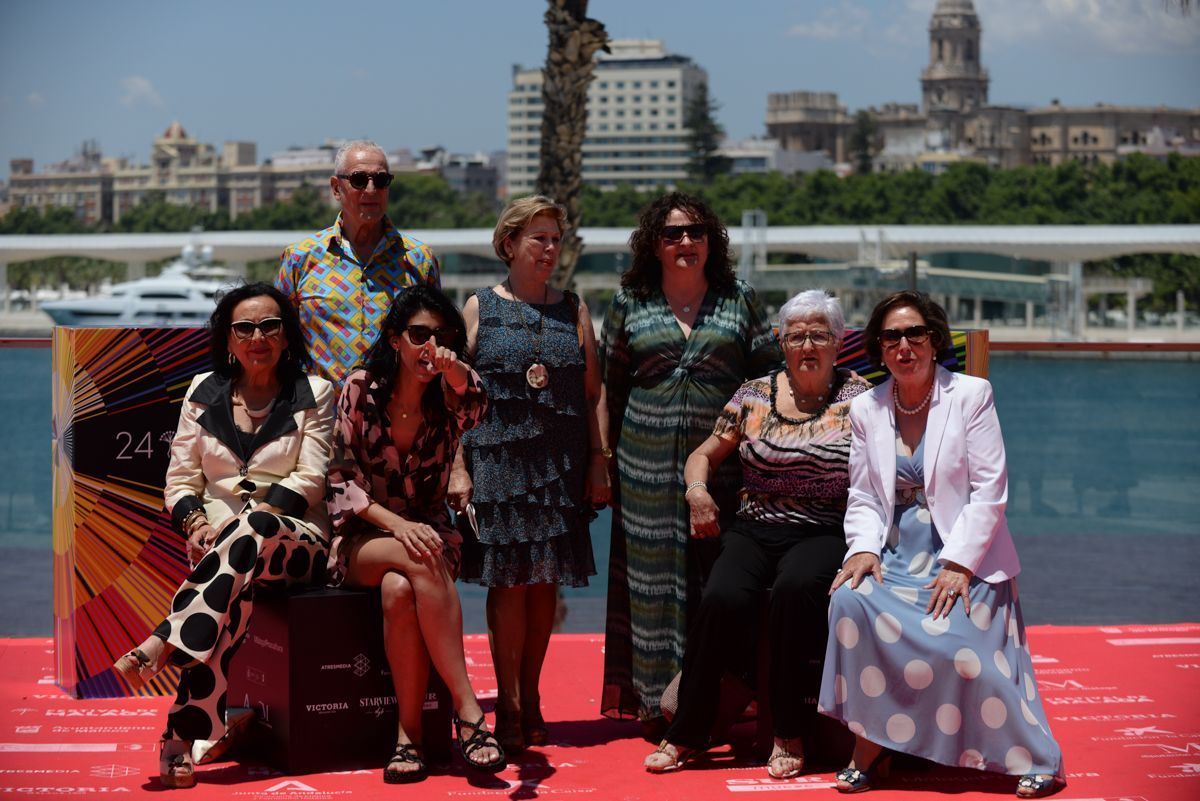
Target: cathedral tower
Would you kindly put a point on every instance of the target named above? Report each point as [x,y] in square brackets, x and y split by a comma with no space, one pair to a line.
[954,83]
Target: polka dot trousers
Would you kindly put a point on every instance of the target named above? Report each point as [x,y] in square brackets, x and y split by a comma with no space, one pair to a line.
[211,610]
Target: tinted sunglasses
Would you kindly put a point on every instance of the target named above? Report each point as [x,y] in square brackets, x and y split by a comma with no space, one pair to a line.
[674,233]
[359,180]
[244,329]
[420,334]
[916,335]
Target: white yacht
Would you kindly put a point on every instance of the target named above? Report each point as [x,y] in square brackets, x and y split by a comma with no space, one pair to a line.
[183,294]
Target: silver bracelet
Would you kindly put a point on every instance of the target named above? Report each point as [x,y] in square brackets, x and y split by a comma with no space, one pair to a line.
[692,485]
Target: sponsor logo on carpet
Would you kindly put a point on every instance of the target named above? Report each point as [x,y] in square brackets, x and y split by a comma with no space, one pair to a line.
[1166,750]
[102,713]
[775,785]
[1188,770]
[113,771]
[291,788]
[1070,684]
[1101,699]
[1116,718]
[102,729]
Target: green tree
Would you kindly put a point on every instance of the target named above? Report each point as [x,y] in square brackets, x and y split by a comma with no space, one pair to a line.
[305,210]
[704,138]
[156,214]
[864,132]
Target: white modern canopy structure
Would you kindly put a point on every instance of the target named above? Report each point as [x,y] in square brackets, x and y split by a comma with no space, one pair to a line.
[838,242]
[861,248]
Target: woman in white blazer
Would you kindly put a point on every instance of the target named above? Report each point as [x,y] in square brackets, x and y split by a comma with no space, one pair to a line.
[246,489]
[927,652]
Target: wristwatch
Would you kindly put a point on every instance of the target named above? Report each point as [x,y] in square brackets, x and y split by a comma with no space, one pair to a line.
[605,452]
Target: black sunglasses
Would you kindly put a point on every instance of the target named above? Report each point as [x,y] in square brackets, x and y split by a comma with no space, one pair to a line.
[674,233]
[915,334]
[244,329]
[359,180]
[420,334]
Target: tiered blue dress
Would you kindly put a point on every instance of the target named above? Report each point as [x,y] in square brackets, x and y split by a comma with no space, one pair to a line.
[529,458]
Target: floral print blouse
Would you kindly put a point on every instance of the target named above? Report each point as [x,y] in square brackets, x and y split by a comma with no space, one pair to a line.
[367,468]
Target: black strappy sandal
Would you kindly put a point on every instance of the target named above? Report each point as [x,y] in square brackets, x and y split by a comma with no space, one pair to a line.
[480,738]
[406,753]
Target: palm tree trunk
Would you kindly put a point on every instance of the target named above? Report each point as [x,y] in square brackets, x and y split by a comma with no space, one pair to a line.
[570,64]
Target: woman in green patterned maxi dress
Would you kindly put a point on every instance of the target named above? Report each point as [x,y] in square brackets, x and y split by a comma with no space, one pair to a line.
[682,334]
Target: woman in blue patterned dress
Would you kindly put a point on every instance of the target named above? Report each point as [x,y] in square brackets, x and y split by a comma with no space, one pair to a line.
[682,334]
[927,652]
[535,466]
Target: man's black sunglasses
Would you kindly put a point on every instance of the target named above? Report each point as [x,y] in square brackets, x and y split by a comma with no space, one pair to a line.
[359,180]
[674,233]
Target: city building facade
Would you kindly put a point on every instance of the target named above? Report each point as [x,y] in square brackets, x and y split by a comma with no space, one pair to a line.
[185,172]
[956,121]
[636,133]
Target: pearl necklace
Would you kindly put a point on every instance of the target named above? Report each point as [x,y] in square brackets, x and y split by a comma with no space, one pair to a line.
[904,409]
[824,397]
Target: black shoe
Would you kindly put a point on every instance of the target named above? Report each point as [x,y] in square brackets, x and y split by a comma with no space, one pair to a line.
[860,780]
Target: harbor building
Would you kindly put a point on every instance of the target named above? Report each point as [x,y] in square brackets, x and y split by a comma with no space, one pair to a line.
[635,132]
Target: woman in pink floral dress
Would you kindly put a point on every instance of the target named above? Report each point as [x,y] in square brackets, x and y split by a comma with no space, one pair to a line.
[398,424]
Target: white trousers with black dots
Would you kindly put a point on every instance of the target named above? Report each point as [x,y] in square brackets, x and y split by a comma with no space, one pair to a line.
[211,610]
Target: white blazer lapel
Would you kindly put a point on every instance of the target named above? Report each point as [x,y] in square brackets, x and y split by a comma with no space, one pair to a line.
[884,438]
[935,423]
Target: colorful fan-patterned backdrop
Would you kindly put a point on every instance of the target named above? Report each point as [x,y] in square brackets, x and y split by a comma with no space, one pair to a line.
[117,563]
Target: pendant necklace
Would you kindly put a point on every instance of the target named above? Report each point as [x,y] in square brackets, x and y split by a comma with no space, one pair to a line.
[537,376]
[255,414]
[687,307]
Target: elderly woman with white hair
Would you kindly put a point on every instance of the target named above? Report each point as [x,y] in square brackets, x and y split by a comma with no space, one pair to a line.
[791,430]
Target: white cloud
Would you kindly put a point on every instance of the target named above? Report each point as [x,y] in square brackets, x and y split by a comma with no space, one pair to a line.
[843,21]
[1113,26]
[138,91]
[36,99]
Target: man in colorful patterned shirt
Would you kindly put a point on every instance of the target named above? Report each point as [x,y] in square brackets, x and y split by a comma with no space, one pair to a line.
[342,280]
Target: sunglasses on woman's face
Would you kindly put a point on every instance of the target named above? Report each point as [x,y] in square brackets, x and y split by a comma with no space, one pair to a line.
[420,334]
[244,329]
[359,180]
[673,234]
[916,335]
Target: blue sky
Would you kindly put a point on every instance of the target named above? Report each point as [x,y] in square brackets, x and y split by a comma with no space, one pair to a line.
[415,74]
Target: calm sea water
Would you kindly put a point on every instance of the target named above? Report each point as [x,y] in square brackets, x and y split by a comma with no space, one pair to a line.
[1104,462]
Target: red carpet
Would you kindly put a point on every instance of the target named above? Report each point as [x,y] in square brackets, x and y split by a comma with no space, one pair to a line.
[1124,703]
